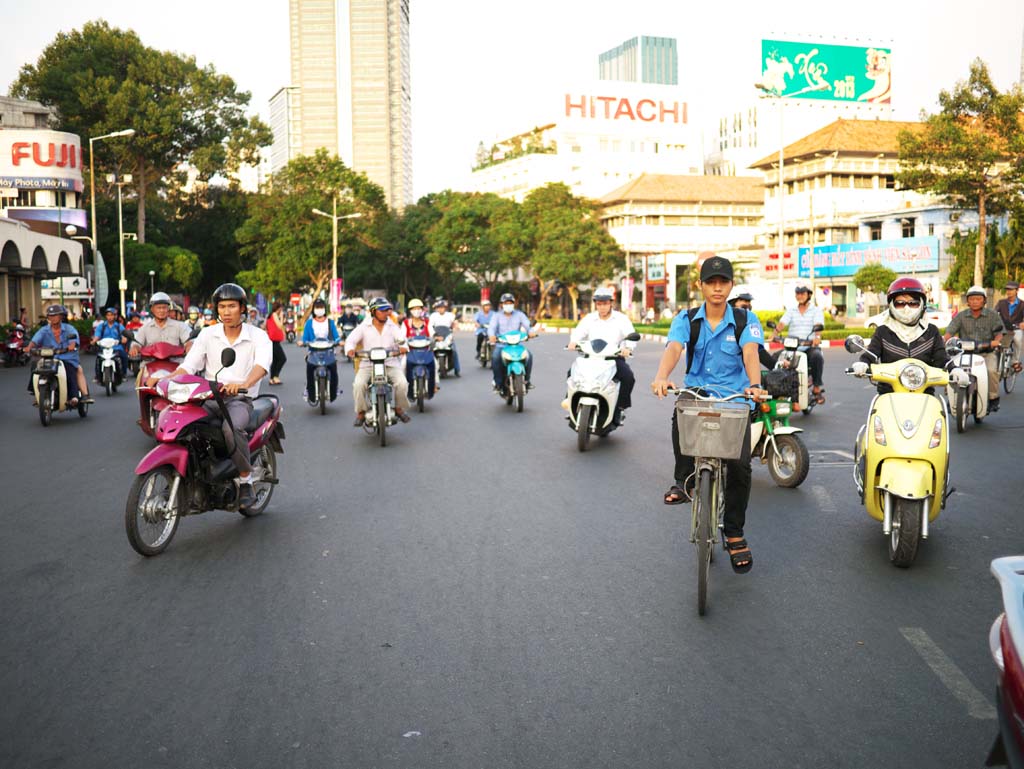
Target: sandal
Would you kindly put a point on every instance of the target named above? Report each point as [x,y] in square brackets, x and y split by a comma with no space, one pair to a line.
[819,395]
[676,495]
[360,421]
[404,417]
[743,561]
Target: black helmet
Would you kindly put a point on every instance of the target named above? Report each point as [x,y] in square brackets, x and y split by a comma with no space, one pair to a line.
[507,298]
[227,292]
[57,309]
[318,302]
[380,303]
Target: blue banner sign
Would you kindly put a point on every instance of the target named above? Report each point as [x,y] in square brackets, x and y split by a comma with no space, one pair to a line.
[903,255]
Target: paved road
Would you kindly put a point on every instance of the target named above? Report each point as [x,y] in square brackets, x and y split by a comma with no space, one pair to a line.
[479,594]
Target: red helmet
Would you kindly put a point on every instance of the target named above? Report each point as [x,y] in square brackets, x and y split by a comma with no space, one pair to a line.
[905,286]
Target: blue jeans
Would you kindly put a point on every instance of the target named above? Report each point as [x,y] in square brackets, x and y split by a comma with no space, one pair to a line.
[498,365]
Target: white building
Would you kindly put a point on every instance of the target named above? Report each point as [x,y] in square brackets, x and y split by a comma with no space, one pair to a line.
[596,138]
[287,128]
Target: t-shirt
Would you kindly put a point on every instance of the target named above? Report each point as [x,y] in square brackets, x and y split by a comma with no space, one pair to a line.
[718,356]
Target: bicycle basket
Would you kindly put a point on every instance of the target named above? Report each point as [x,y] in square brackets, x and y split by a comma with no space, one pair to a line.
[712,429]
[782,383]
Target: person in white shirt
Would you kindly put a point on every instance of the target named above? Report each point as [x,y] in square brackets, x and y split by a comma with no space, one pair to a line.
[253,355]
[442,316]
[803,318]
[613,327]
[379,331]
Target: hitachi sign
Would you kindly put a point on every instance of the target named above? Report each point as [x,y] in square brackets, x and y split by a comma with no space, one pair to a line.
[49,154]
[622,108]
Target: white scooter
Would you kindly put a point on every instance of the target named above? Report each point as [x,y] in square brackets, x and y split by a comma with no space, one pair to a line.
[971,397]
[795,359]
[111,374]
[50,386]
[593,390]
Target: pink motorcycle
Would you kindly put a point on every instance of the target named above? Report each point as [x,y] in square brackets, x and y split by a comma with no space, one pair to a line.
[160,360]
[190,470]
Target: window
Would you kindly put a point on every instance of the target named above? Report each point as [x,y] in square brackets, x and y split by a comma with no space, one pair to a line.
[874,230]
[864,182]
[908,227]
[890,182]
[931,229]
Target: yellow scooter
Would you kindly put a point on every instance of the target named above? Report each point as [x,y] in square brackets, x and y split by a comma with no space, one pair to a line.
[901,458]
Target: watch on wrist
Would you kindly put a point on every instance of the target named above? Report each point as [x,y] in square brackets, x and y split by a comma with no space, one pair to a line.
[757,385]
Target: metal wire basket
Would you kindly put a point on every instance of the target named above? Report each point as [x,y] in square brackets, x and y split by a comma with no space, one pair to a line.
[712,428]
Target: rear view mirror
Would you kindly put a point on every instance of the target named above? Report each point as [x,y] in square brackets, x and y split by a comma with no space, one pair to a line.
[634,337]
[770,324]
[818,327]
[953,346]
[227,357]
[854,343]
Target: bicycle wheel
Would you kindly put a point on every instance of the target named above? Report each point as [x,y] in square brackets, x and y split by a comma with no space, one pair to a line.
[703,499]
[1010,381]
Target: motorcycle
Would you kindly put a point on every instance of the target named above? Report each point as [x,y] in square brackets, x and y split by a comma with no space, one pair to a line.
[1006,643]
[289,328]
[513,355]
[190,471]
[50,386]
[593,390]
[159,363]
[321,355]
[14,347]
[793,358]
[381,395]
[347,329]
[443,340]
[111,375]
[971,397]
[486,350]
[420,357]
[777,444]
[901,455]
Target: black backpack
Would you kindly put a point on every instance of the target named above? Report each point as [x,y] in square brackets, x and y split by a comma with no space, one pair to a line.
[695,325]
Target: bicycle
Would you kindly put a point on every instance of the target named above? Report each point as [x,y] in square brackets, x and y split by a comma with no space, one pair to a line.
[712,431]
[1006,361]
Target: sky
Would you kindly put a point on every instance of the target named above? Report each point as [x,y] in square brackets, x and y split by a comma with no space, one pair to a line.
[488,70]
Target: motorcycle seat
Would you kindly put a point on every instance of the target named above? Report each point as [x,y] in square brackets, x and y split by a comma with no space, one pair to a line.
[263,408]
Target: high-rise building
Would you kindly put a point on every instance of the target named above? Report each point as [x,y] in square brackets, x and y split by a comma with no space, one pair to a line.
[381,95]
[642,59]
[287,127]
[314,60]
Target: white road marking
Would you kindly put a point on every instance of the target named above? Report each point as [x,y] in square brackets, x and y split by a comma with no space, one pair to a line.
[951,676]
[824,499]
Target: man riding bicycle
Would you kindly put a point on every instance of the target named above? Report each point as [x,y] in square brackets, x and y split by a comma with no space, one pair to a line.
[1011,310]
[723,361]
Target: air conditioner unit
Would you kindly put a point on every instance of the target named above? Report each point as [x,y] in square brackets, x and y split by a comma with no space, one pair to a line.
[955,216]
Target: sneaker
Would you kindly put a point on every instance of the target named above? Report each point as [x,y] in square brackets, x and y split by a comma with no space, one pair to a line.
[404,417]
[529,385]
[993,405]
[246,495]
[458,374]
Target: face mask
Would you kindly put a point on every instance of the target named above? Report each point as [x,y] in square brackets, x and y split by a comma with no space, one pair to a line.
[319,312]
[908,316]
[417,313]
[508,308]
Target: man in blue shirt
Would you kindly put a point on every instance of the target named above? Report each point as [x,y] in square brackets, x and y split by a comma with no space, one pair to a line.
[725,361]
[1011,310]
[483,321]
[58,334]
[110,328]
[509,319]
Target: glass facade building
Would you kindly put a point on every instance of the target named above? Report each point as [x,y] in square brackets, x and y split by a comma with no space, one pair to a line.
[641,59]
[313,37]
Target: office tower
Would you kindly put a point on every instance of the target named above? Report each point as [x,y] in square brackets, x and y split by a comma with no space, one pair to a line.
[641,59]
[285,123]
[381,95]
[314,63]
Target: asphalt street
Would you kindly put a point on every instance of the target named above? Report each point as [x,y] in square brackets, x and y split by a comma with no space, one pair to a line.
[480,594]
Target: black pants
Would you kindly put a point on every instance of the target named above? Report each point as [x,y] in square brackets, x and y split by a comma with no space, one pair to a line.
[332,379]
[479,343]
[737,481]
[278,361]
[815,365]
[624,374]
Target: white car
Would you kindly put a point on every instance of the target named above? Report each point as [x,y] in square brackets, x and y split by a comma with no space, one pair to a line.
[939,318]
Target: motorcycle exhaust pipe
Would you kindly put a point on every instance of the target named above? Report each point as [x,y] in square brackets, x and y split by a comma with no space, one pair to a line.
[887,513]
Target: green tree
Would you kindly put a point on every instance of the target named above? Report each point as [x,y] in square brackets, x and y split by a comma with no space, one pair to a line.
[206,221]
[873,278]
[103,79]
[177,269]
[568,243]
[971,152]
[289,244]
[405,251]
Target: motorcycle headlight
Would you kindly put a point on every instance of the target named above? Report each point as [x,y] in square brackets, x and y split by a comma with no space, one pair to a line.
[378,354]
[913,377]
[181,393]
[783,408]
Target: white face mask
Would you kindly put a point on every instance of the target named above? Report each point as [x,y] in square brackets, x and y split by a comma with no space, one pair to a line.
[908,316]
[319,312]
[417,313]
[508,308]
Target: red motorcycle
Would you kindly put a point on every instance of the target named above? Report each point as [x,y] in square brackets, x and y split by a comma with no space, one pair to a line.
[14,347]
[190,471]
[160,361]
[1006,642]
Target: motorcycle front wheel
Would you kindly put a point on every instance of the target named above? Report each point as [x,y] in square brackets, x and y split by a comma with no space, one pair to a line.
[264,464]
[961,410]
[108,382]
[788,465]
[321,389]
[83,409]
[906,531]
[149,523]
[382,419]
[45,406]
[583,426]
[421,386]
[520,392]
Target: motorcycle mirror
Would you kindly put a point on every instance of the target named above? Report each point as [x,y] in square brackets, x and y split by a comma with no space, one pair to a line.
[953,346]
[634,337]
[770,324]
[817,327]
[854,343]
[227,357]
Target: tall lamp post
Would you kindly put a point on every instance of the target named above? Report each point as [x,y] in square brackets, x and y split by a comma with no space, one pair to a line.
[151,288]
[334,239]
[92,184]
[768,92]
[122,284]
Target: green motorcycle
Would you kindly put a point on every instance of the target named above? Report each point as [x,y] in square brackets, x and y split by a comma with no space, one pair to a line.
[777,444]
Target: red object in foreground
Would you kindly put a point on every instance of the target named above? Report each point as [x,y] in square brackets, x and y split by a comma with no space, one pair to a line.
[161,359]
[1006,642]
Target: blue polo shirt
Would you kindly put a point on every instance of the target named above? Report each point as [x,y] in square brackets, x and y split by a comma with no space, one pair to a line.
[718,357]
[44,338]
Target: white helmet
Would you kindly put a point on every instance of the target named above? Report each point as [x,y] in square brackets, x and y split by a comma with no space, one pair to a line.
[976,291]
[159,298]
[604,294]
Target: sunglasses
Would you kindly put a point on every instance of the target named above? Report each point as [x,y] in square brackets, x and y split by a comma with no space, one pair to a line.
[914,303]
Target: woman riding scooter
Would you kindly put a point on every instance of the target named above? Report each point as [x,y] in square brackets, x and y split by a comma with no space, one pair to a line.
[416,325]
[320,327]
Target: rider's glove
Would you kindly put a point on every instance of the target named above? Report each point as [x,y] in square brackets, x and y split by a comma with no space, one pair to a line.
[860,368]
[959,377]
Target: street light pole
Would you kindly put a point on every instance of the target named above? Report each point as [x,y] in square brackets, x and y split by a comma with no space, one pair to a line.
[151,288]
[92,182]
[122,284]
[334,238]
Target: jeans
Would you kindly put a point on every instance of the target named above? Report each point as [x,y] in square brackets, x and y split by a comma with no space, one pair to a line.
[498,365]
[332,377]
[737,481]
[239,408]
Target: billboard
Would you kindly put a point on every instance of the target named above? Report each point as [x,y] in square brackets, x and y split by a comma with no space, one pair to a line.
[827,72]
[40,160]
[902,255]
